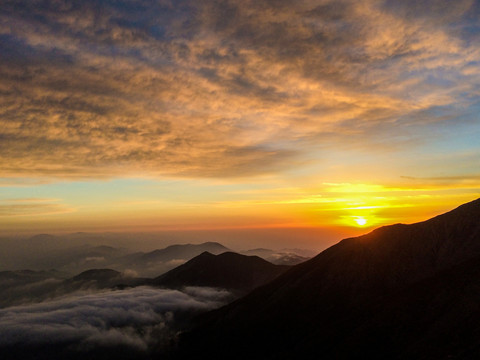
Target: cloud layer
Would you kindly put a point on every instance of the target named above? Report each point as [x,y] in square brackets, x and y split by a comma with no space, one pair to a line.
[139,318]
[226,88]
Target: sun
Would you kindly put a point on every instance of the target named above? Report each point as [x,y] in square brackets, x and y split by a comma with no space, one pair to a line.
[361,221]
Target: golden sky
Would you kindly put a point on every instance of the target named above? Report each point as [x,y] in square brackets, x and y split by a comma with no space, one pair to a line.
[150,115]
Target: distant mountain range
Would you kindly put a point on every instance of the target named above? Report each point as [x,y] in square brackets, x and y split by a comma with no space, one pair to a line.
[159,261]
[399,292]
[27,286]
[74,253]
[233,272]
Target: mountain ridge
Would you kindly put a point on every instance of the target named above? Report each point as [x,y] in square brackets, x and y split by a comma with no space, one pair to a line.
[227,270]
[320,303]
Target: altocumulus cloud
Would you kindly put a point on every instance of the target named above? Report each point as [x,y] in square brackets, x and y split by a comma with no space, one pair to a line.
[225,88]
[137,318]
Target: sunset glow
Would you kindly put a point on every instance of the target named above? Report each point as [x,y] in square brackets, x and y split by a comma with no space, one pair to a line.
[150,116]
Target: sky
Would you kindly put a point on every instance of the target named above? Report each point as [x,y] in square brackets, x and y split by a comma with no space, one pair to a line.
[147,115]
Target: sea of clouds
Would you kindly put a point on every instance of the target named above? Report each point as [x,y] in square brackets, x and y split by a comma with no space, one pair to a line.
[141,318]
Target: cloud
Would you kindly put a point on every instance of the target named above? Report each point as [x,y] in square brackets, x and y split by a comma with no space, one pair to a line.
[32,207]
[175,262]
[225,88]
[467,181]
[137,318]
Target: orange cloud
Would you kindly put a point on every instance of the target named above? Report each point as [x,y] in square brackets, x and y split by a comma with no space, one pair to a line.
[230,89]
[32,207]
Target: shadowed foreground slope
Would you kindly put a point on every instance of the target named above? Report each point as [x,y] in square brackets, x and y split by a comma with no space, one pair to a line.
[401,291]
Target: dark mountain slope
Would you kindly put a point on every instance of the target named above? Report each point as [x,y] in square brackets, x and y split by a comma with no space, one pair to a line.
[436,318]
[319,306]
[228,270]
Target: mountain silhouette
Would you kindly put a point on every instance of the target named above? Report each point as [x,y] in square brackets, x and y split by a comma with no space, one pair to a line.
[401,291]
[156,262]
[183,251]
[97,275]
[27,286]
[229,270]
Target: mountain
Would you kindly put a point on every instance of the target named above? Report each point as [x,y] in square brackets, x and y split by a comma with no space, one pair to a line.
[401,291]
[79,252]
[44,252]
[24,277]
[159,261]
[97,275]
[27,286]
[102,279]
[183,251]
[228,270]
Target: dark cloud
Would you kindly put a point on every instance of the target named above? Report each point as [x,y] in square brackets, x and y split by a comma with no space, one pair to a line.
[434,10]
